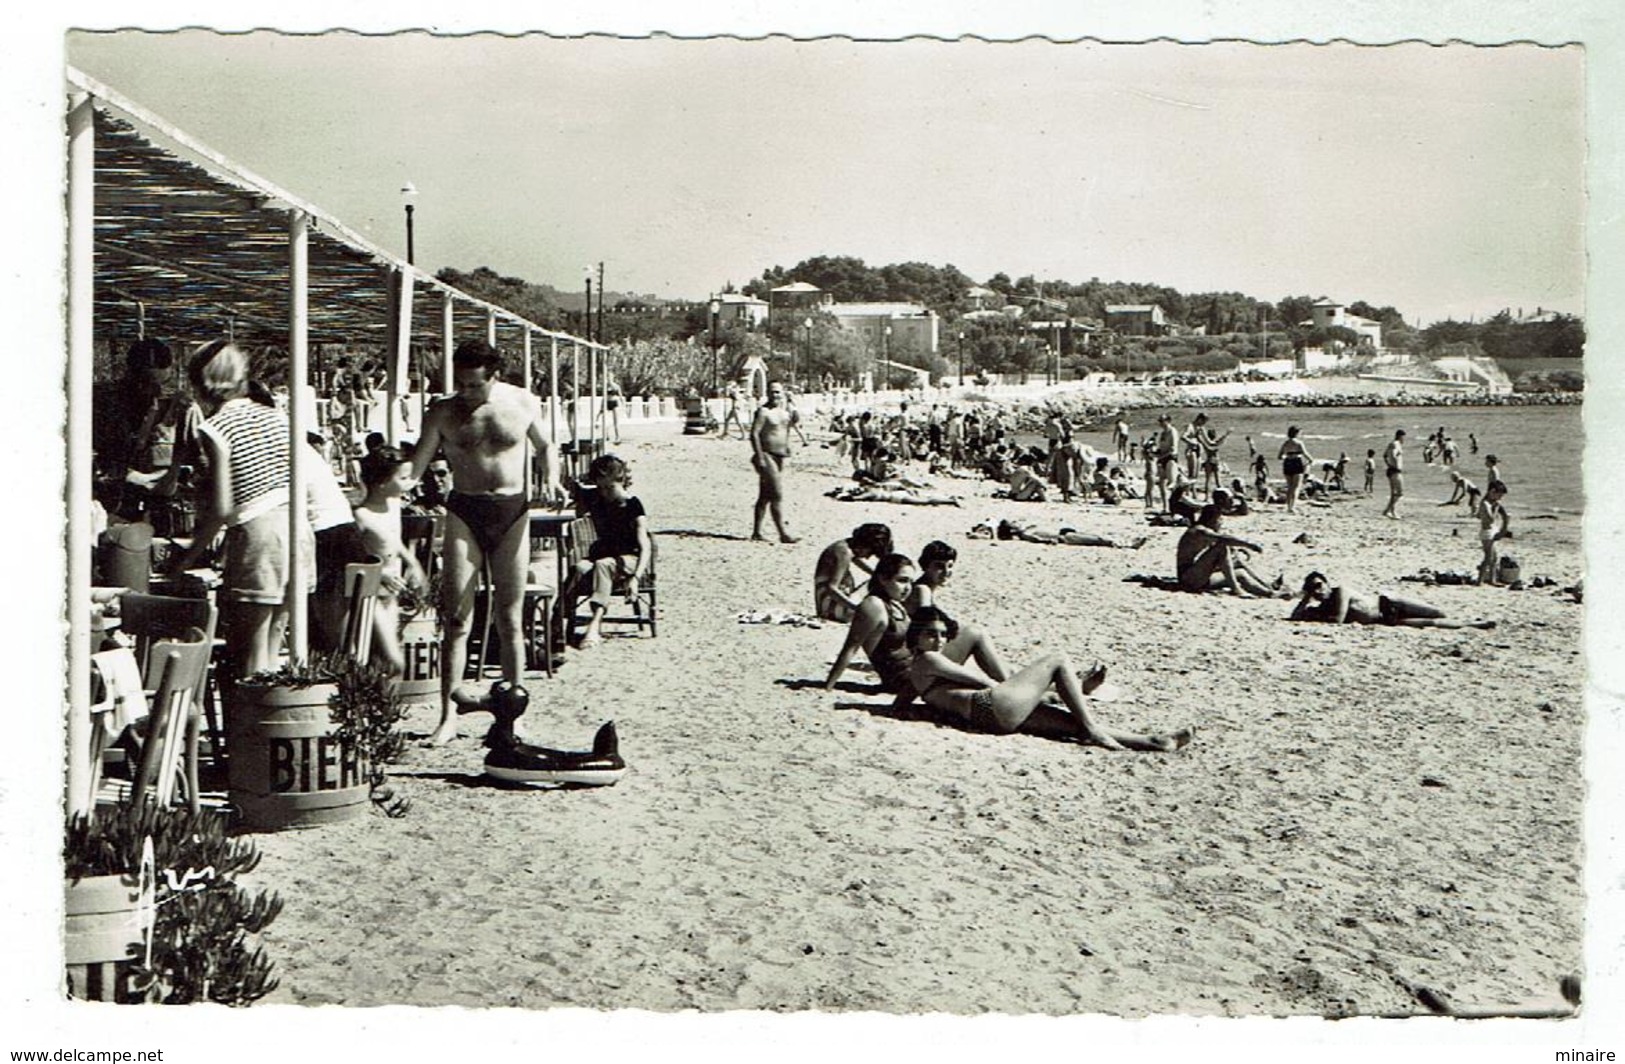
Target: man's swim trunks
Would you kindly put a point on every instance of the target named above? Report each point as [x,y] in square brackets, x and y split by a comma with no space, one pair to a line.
[488,517]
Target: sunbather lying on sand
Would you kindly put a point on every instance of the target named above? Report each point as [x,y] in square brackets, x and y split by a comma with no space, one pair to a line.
[906,496]
[1339,605]
[1009,705]
[1032,533]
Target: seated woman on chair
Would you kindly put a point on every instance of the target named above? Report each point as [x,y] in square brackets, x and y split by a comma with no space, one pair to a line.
[1004,706]
[622,549]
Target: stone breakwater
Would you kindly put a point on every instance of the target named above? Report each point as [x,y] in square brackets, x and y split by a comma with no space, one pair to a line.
[1097,405]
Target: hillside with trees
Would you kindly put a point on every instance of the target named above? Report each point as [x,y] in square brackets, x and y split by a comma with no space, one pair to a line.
[1208,331]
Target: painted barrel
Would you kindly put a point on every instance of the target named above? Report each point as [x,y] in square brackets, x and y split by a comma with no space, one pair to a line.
[106,928]
[420,653]
[694,417]
[287,767]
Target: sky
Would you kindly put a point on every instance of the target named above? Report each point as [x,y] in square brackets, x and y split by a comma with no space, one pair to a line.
[1443,181]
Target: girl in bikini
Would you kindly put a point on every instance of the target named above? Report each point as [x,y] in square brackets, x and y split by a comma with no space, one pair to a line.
[1338,605]
[1001,707]
[1294,458]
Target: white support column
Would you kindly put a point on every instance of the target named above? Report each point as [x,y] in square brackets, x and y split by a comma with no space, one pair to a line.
[528,366]
[81,356]
[399,358]
[448,344]
[553,387]
[298,397]
[575,394]
[595,418]
[491,327]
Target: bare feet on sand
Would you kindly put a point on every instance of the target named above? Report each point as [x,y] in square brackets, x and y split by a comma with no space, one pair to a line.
[462,701]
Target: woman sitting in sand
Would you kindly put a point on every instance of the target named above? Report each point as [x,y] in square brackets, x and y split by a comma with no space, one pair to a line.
[1005,706]
[1339,605]
[835,590]
[1210,560]
[879,627]
[1025,485]
[1032,533]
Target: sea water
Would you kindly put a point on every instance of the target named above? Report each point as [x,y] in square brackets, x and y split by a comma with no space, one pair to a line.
[1539,447]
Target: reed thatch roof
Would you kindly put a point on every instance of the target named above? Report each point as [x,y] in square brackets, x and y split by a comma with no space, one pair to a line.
[198,247]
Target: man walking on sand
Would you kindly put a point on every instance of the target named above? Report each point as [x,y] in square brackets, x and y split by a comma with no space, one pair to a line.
[483,428]
[1393,456]
[770,446]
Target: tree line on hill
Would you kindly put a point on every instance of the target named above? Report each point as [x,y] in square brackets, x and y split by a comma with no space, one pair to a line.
[1210,331]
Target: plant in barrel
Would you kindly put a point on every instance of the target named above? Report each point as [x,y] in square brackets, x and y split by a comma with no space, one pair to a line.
[309,742]
[154,912]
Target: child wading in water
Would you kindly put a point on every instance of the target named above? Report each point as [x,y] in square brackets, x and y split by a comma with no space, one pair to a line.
[386,474]
[1493,526]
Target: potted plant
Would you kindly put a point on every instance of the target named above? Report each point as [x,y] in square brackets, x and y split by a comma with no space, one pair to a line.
[154,912]
[302,738]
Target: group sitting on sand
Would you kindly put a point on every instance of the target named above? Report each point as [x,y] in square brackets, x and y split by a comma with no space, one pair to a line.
[925,655]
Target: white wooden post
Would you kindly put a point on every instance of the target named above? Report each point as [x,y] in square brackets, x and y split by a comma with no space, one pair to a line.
[298,386]
[399,358]
[447,342]
[527,384]
[491,327]
[553,387]
[81,356]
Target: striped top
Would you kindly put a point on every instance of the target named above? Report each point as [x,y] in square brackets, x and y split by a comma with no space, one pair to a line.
[255,439]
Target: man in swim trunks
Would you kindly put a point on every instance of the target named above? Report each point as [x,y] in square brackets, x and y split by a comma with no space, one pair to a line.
[770,446]
[1393,456]
[1167,447]
[484,428]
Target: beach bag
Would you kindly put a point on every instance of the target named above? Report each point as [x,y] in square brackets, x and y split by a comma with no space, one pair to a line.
[1508,571]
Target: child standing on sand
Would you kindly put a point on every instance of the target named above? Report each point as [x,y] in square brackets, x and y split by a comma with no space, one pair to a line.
[1370,470]
[1493,526]
[386,473]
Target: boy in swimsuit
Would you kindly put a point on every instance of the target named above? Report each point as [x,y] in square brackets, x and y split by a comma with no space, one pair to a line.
[1393,457]
[1207,559]
[1493,526]
[484,428]
[386,474]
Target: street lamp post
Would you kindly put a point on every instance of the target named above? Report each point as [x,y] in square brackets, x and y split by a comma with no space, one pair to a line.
[962,358]
[587,314]
[408,192]
[715,307]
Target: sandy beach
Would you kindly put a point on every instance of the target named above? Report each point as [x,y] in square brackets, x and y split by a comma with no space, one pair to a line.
[1364,810]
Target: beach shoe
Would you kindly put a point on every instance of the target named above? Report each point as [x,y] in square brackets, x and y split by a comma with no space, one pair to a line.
[523,763]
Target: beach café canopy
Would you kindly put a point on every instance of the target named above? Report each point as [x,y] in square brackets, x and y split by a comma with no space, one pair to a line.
[169,237]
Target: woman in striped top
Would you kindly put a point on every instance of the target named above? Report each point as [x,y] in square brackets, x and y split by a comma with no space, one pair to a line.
[245,445]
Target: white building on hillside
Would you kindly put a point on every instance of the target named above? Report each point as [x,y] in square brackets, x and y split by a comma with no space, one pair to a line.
[1327,313]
